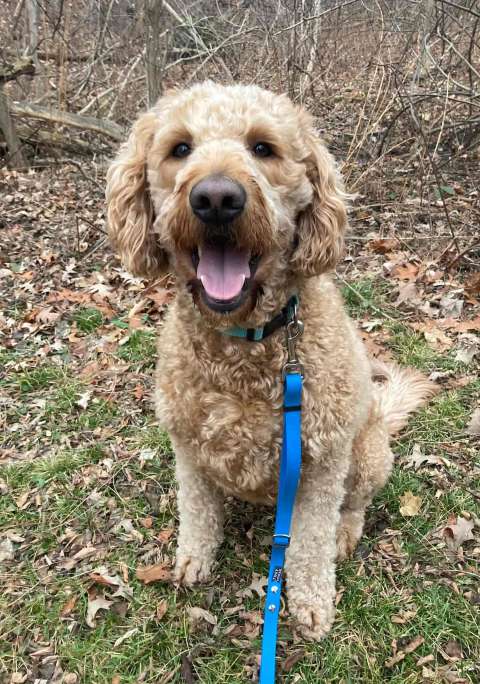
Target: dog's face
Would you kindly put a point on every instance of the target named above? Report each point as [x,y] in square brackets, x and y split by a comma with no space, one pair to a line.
[229,187]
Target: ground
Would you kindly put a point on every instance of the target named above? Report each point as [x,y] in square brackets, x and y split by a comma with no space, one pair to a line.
[87,507]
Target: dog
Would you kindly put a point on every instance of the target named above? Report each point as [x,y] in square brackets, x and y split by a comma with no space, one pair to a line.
[231,189]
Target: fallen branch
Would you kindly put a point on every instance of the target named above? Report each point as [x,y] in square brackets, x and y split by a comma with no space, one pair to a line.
[23,66]
[55,140]
[103,127]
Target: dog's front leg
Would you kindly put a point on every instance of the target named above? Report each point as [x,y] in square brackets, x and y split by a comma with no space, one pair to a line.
[201,512]
[310,563]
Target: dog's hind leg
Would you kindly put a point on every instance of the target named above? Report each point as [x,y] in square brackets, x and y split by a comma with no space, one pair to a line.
[201,513]
[371,465]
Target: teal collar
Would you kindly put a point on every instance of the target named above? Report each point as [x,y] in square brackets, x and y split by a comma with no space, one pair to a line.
[259,334]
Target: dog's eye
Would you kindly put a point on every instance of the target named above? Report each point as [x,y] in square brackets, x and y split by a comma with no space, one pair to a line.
[181,150]
[262,149]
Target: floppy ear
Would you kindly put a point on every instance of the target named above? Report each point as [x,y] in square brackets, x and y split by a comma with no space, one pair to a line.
[321,225]
[130,210]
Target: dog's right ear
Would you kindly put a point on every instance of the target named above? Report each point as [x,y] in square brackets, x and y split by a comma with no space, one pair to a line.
[130,211]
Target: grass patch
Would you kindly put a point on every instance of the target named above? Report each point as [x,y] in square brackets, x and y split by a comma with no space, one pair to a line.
[88,319]
[364,296]
[140,348]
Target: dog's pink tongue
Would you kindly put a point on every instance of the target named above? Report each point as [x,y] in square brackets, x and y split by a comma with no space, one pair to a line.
[223,270]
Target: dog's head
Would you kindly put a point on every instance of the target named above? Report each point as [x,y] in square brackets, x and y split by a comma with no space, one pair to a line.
[230,188]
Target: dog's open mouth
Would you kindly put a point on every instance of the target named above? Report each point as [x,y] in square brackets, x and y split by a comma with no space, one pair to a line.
[225,273]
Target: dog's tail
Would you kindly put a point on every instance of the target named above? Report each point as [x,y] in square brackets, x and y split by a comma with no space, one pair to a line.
[401,391]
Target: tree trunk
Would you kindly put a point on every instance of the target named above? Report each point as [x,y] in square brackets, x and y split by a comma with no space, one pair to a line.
[32,21]
[15,157]
[155,48]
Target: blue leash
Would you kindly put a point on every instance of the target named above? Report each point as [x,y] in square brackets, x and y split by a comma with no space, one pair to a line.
[290,464]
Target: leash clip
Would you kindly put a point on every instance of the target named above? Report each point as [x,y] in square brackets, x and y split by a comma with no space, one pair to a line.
[293,331]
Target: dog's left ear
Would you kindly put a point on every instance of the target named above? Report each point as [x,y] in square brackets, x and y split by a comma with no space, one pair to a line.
[321,225]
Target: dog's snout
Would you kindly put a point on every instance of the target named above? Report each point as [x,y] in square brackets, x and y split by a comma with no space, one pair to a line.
[217,199]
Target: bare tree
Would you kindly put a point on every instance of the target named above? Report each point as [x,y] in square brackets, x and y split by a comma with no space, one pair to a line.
[156,47]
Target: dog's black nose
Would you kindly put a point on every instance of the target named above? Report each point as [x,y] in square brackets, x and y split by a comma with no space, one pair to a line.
[217,199]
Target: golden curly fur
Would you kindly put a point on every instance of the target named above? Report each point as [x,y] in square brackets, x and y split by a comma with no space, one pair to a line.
[220,397]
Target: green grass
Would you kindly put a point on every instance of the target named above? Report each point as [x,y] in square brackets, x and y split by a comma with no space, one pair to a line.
[139,348]
[105,480]
[88,319]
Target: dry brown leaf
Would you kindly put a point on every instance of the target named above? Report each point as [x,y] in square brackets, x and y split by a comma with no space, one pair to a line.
[414,644]
[147,522]
[292,660]
[456,533]
[404,616]
[460,326]
[383,245]
[405,271]
[410,504]
[68,607]
[197,617]
[438,340]
[453,650]
[397,658]
[160,572]
[472,284]
[94,606]
[165,534]
[162,607]
[408,293]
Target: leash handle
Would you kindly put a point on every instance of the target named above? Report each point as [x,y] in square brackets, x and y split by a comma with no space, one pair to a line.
[290,464]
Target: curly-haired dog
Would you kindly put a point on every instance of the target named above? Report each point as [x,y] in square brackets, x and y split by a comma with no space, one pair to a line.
[230,188]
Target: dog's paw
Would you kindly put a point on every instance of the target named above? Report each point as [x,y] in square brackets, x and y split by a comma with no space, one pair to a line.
[314,618]
[348,534]
[346,543]
[191,570]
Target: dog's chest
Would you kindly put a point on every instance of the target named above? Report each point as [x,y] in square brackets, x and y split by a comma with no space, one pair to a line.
[229,422]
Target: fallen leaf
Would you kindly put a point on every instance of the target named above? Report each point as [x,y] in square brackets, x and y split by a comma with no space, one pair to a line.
[410,504]
[160,572]
[468,347]
[70,678]
[397,658]
[404,616]
[93,607]
[473,427]
[162,608]
[472,284]
[451,306]
[405,271]
[7,550]
[101,576]
[292,660]
[408,293]
[165,534]
[459,532]
[198,615]
[84,399]
[147,522]
[413,644]
[125,636]
[68,607]
[438,340]
[453,650]
[383,245]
